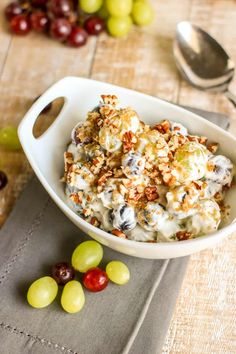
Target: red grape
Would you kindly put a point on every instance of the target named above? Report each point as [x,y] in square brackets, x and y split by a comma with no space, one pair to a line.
[12,10]
[95,279]
[60,8]
[20,25]
[39,21]
[39,3]
[3,180]
[94,25]
[78,37]
[60,29]
[63,272]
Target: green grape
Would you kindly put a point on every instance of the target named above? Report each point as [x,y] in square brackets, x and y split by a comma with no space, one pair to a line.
[90,6]
[119,26]
[72,298]
[119,8]
[118,272]
[87,255]
[190,162]
[103,12]
[142,13]
[42,292]
[9,138]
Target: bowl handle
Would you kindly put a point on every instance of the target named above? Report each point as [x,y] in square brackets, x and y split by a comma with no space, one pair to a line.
[25,130]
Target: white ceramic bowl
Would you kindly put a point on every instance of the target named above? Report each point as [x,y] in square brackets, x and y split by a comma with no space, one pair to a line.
[45,155]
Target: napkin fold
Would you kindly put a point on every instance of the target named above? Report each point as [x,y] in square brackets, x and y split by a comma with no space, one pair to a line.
[130,319]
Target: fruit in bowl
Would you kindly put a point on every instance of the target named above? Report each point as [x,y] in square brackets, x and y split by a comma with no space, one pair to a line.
[47,151]
[132,179]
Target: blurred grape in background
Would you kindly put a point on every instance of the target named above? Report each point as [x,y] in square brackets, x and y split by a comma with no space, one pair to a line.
[71,21]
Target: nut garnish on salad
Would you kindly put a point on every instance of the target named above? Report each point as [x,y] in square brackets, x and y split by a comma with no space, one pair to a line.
[144,183]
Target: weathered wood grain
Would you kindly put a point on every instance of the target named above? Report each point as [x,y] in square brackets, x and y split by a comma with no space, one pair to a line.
[205,316]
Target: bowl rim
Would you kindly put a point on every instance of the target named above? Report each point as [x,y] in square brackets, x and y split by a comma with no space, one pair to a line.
[105,235]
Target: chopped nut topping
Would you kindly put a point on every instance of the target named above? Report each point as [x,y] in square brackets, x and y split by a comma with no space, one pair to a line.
[104,176]
[129,140]
[107,112]
[68,159]
[87,212]
[123,189]
[133,196]
[169,179]
[118,233]
[121,164]
[109,99]
[94,221]
[151,193]
[184,235]
[76,198]
[198,139]
[213,147]
[163,127]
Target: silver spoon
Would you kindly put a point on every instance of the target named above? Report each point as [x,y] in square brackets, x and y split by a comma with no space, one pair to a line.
[202,61]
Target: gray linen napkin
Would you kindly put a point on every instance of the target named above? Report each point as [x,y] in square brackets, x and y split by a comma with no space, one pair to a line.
[119,320]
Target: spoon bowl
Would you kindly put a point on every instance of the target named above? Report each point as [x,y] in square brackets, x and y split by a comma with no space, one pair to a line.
[202,61]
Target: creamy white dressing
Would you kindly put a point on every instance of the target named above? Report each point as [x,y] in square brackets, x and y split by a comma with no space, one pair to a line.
[123,218]
[182,201]
[179,129]
[220,170]
[152,216]
[141,235]
[206,220]
[187,205]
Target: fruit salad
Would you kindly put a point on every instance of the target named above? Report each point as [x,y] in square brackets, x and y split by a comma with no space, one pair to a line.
[144,183]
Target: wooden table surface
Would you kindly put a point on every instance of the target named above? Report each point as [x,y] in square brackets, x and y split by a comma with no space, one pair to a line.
[205,317]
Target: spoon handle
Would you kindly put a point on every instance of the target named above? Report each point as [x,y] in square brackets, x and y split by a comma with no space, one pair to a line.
[231,97]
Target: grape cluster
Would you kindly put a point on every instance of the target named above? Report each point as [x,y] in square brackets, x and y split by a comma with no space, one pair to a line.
[85,259]
[71,21]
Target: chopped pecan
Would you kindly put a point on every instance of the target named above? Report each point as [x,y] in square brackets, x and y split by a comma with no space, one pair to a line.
[213,147]
[133,196]
[96,161]
[197,185]
[198,139]
[118,233]
[164,167]
[103,177]
[94,221]
[107,112]
[68,159]
[87,212]
[151,193]
[118,173]
[109,99]
[76,198]
[218,197]
[123,190]
[169,179]
[97,164]
[163,127]
[170,156]
[202,140]
[175,142]
[210,166]
[184,235]
[129,140]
